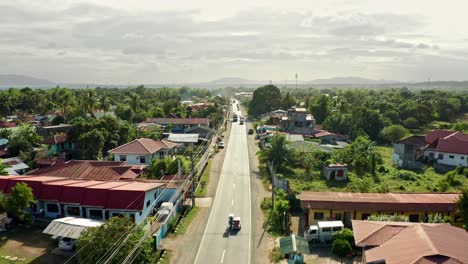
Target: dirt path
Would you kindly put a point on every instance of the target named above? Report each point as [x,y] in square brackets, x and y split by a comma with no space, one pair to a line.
[262,242]
[184,247]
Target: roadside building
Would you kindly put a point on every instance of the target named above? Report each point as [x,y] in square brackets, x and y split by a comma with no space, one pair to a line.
[91,170]
[408,152]
[400,242]
[203,132]
[99,200]
[298,121]
[337,172]
[142,151]
[328,206]
[178,125]
[184,140]
[59,145]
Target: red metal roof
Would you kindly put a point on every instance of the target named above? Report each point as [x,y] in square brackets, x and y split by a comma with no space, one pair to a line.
[52,190]
[73,193]
[441,202]
[35,183]
[97,195]
[436,134]
[143,146]
[88,170]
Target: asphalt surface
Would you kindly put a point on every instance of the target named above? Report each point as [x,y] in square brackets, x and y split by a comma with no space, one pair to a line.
[233,195]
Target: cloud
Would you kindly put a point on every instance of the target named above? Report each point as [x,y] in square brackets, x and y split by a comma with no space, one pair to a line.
[97,42]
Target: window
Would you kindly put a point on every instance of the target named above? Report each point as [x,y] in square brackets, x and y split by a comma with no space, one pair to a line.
[95,214]
[73,211]
[365,216]
[155,195]
[336,228]
[318,216]
[431,155]
[148,203]
[414,218]
[142,159]
[462,157]
[451,156]
[326,229]
[440,156]
[52,208]
[123,158]
[132,216]
[337,216]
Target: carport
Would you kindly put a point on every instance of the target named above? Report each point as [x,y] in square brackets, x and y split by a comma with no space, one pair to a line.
[70,227]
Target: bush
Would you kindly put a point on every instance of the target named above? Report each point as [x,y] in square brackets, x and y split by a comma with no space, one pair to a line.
[411,122]
[408,175]
[345,234]
[341,248]
[266,203]
[275,255]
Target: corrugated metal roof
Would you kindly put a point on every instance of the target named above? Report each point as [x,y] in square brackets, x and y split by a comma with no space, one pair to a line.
[183,138]
[70,227]
[380,201]
[294,244]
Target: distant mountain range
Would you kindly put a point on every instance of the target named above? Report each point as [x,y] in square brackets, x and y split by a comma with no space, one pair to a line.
[12,80]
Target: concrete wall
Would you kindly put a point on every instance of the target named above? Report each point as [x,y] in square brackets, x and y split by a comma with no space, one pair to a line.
[450,159]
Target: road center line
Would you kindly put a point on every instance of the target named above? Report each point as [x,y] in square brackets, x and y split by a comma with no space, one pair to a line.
[222,257]
[234,185]
[232,203]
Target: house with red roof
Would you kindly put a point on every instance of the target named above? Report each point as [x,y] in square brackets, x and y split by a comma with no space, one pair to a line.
[178,124]
[142,151]
[61,197]
[444,148]
[402,242]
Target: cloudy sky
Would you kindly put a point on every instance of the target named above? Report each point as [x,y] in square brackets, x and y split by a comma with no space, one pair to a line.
[167,41]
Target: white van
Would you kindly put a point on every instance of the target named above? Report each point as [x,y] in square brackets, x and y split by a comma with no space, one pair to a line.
[322,231]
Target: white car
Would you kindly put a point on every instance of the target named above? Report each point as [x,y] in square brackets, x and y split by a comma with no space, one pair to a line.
[221,145]
[66,243]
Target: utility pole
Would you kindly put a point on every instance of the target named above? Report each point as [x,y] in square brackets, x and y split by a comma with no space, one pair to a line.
[193,177]
[296,80]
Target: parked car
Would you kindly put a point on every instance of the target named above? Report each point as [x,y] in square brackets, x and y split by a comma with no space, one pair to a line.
[66,243]
[221,145]
[251,131]
[241,122]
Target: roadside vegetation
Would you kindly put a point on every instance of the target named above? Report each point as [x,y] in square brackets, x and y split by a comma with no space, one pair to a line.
[203,183]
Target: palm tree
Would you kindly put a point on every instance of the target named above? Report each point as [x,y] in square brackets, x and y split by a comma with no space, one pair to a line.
[277,153]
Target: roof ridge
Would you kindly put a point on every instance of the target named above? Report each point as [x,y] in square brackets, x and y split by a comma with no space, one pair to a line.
[123,145]
[428,239]
[454,133]
[143,145]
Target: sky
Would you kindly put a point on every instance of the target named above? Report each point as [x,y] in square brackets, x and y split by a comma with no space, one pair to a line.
[174,41]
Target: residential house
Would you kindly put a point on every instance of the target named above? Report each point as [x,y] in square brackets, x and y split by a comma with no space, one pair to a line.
[15,166]
[274,117]
[61,197]
[59,145]
[101,113]
[203,132]
[338,172]
[408,152]
[178,125]
[142,151]
[322,206]
[401,242]
[47,131]
[91,170]
[298,121]
[444,148]
[3,146]
[184,140]
[330,137]
[449,148]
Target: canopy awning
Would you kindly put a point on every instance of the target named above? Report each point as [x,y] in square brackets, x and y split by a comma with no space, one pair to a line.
[70,227]
[294,244]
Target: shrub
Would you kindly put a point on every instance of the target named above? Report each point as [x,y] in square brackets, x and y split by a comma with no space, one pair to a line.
[341,248]
[411,122]
[345,234]
[275,255]
[266,203]
[408,175]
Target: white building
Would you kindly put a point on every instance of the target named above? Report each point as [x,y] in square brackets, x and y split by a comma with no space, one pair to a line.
[142,151]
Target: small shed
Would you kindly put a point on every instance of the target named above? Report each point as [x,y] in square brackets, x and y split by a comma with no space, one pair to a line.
[294,245]
[338,172]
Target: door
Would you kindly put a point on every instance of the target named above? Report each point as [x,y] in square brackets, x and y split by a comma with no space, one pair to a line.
[347,219]
[332,175]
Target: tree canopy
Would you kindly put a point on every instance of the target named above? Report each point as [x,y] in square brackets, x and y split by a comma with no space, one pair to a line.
[265,99]
[95,242]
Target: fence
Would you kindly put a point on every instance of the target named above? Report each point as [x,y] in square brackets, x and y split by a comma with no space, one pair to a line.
[163,228]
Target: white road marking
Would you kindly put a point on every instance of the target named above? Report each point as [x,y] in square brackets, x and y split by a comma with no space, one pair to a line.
[232,203]
[234,185]
[222,257]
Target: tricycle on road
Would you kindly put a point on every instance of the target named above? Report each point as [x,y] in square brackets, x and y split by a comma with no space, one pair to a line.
[234,222]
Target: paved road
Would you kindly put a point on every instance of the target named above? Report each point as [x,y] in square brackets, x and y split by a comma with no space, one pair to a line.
[233,195]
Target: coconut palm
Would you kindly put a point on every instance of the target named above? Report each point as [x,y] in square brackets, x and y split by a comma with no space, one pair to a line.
[277,153]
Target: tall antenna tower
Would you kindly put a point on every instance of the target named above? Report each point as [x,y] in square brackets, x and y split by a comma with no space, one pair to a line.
[296,80]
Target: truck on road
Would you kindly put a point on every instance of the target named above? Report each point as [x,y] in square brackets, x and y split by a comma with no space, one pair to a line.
[322,232]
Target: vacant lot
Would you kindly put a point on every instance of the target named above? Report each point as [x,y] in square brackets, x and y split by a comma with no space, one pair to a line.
[29,245]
